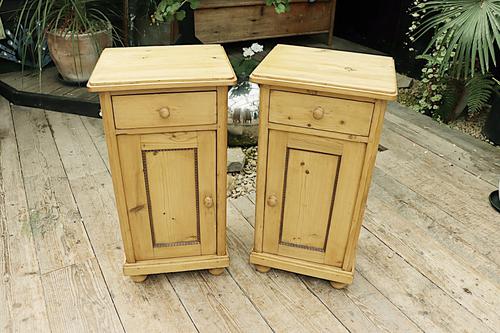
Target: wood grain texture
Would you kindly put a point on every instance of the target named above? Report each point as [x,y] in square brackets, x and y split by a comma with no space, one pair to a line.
[279,296]
[360,307]
[309,216]
[91,185]
[353,74]
[477,157]
[22,304]
[333,114]
[216,303]
[256,21]
[170,185]
[414,251]
[182,109]
[424,302]
[221,165]
[58,232]
[135,68]
[88,309]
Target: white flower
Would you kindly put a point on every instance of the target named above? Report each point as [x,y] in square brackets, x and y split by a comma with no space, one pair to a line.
[248,52]
[256,47]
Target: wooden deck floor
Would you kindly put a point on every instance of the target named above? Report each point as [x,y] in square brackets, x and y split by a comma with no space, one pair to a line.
[428,256]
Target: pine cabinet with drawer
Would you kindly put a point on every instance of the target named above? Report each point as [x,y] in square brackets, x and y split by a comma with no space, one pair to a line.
[320,123]
[164,114]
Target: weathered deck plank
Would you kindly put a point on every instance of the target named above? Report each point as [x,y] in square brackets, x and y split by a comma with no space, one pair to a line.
[22,303]
[426,261]
[359,309]
[477,157]
[59,234]
[91,184]
[280,297]
[64,251]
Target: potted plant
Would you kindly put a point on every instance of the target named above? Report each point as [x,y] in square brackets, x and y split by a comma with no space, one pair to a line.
[460,56]
[76,32]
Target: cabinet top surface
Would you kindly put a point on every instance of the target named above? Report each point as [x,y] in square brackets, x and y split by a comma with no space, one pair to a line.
[347,73]
[156,67]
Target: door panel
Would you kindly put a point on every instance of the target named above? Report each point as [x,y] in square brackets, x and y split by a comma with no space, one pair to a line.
[167,194]
[172,195]
[308,174]
[308,205]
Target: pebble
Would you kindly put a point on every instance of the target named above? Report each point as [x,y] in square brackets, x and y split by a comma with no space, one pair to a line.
[244,181]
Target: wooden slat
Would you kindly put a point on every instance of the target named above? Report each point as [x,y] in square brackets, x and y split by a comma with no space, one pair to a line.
[92,187]
[418,298]
[360,308]
[216,303]
[477,157]
[453,190]
[279,296]
[22,304]
[58,232]
[458,237]
[260,21]
[61,240]
[237,3]
[452,275]
[78,300]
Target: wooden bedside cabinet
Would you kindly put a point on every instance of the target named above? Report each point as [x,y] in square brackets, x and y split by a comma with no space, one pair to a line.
[320,122]
[165,118]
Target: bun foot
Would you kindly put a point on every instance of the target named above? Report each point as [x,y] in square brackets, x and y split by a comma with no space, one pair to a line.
[139,278]
[338,285]
[262,269]
[216,271]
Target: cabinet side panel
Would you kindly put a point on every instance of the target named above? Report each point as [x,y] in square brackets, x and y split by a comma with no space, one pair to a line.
[366,177]
[221,169]
[116,174]
[351,167]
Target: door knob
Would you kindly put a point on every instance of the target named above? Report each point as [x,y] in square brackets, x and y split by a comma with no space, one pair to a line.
[318,113]
[208,202]
[164,112]
[272,200]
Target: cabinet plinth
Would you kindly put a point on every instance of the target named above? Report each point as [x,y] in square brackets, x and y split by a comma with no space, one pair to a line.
[164,113]
[321,118]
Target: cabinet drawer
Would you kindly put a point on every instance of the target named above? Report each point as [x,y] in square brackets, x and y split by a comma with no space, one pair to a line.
[323,113]
[172,109]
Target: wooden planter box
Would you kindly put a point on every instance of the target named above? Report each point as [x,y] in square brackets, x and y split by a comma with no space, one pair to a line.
[220,21]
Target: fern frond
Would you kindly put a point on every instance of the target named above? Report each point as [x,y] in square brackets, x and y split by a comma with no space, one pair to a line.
[479,89]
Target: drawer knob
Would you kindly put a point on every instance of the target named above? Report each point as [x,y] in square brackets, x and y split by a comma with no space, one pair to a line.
[164,112]
[318,113]
[272,201]
[208,202]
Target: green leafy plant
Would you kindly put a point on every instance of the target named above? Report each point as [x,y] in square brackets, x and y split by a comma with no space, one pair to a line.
[280,6]
[244,66]
[170,10]
[466,36]
[67,17]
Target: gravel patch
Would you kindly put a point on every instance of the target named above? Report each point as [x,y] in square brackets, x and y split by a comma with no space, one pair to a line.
[243,182]
[472,125]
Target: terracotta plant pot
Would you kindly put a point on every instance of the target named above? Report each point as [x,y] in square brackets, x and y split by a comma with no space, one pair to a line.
[75,56]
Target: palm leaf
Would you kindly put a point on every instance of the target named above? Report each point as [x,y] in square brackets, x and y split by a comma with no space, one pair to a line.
[469,28]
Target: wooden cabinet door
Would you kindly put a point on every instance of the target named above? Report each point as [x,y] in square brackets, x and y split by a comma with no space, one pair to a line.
[311,189]
[170,188]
